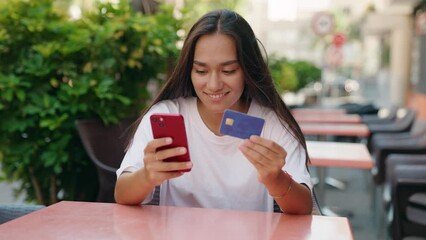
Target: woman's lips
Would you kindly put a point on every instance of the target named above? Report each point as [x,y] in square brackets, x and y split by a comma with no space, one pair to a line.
[215,97]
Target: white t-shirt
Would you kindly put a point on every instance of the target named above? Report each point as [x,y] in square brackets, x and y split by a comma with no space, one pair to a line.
[221,177]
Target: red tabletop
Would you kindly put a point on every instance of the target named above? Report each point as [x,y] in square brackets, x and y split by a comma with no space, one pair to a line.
[322,111]
[324,129]
[329,118]
[339,154]
[84,220]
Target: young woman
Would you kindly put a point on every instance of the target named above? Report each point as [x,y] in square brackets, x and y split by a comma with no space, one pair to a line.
[220,67]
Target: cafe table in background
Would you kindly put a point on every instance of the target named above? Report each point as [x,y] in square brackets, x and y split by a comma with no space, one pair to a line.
[325,155]
[319,111]
[319,118]
[331,129]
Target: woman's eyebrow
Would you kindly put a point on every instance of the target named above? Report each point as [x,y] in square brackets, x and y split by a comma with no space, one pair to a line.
[229,62]
[199,63]
[223,64]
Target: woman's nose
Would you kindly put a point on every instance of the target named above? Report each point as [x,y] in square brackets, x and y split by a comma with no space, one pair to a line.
[214,82]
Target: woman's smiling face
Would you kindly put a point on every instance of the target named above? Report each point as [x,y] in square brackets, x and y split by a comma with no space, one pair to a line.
[216,74]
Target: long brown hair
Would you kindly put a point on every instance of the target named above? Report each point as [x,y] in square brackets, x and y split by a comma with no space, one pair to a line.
[258,82]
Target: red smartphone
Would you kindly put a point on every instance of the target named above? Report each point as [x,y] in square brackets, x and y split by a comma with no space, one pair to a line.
[171,125]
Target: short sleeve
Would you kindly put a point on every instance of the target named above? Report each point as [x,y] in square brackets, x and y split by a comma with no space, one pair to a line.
[133,159]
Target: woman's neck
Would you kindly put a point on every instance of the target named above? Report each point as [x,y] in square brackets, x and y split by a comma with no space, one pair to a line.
[213,119]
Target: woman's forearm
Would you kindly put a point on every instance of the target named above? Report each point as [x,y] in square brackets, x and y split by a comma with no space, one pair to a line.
[132,188]
[292,197]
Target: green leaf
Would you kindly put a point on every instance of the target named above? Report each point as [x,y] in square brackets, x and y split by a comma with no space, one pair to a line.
[20,94]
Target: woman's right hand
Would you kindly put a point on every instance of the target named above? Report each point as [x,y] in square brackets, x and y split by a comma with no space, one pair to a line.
[134,187]
[156,170]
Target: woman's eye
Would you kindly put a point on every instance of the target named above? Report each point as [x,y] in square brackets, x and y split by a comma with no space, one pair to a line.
[229,72]
[200,71]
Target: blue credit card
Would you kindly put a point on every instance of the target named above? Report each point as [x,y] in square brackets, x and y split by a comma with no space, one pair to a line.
[240,125]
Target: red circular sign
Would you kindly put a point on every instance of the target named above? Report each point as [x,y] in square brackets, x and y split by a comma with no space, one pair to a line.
[339,39]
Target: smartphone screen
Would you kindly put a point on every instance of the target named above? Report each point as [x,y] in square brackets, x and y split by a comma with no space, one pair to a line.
[171,125]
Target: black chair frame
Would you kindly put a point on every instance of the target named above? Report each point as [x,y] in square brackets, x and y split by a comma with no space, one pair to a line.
[105,146]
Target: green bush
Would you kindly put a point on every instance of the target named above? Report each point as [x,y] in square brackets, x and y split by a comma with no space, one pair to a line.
[306,73]
[283,74]
[292,75]
[54,70]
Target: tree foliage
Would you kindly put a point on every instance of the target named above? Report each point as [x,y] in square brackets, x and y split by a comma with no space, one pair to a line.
[54,71]
[292,75]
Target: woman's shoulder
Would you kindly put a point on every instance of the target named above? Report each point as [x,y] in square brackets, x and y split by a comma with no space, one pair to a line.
[172,105]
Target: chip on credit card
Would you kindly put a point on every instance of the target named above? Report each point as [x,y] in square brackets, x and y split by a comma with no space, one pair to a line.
[240,125]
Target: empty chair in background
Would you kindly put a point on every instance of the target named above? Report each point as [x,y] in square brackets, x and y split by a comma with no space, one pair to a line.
[403,122]
[405,118]
[391,146]
[105,145]
[392,162]
[382,151]
[361,109]
[409,201]
[417,131]
[11,211]
[383,115]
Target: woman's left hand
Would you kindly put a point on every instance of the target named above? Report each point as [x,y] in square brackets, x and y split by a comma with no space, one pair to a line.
[266,156]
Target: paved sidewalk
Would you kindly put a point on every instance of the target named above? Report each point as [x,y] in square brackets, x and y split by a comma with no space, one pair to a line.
[7,194]
[356,199]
